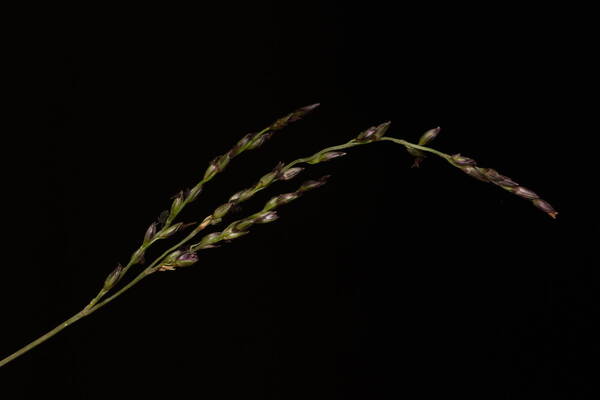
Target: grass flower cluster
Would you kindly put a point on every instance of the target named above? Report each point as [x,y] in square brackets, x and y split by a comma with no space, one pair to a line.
[184,253]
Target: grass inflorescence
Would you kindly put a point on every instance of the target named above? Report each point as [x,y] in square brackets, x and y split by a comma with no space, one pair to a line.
[184,253]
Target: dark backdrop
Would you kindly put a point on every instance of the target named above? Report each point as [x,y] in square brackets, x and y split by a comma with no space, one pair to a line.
[389,282]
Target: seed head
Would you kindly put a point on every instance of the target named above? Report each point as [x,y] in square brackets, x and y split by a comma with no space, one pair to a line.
[242,144]
[259,140]
[211,171]
[327,156]
[381,129]
[113,277]
[507,182]
[292,117]
[162,218]
[170,231]
[171,257]
[475,173]
[234,235]
[429,136]
[177,202]
[525,193]
[281,200]
[279,167]
[267,179]
[193,193]
[242,195]
[373,133]
[138,256]
[498,178]
[178,258]
[418,154]
[221,211]
[241,225]
[210,238]
[186,259]
[366,135]
[545,207]
[493,176]
[462,161]
[289,173]
[313,184]
[266,217]
[302,111]
[150,233]
[224,160]
[286,198]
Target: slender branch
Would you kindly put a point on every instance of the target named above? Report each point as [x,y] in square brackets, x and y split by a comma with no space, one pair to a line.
[470,167]
[151,268]
[249,142]
[417,147]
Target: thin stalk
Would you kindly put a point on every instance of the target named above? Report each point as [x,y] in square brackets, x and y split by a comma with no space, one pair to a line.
[42,338]
[418,147]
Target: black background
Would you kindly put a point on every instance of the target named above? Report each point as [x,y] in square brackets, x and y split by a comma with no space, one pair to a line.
[389,282]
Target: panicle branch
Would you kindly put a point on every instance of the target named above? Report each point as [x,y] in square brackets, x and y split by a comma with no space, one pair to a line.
[239,228]
[280,172]
[249,142]
[164,228]
[469,166]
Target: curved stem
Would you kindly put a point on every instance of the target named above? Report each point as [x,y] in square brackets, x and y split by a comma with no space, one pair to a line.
[417,147]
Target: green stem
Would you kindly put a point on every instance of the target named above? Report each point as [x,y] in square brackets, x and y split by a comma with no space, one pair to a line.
[90,308]
[43,338]
[418,147]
